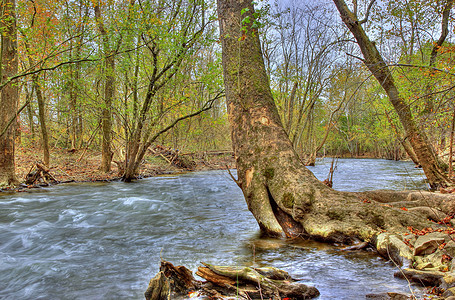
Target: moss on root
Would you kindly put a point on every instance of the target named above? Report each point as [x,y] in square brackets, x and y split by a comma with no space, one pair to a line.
[288,200]
[269,173]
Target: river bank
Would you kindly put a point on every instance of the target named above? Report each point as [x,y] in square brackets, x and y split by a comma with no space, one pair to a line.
[82,166]
[71,165]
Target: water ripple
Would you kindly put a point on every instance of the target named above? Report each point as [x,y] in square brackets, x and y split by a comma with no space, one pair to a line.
[105,241]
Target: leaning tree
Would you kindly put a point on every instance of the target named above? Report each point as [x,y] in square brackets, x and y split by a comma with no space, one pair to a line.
[383,74]
[285,197]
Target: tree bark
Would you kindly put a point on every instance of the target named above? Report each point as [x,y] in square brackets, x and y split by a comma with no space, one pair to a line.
[9,93]
[30,112]
[42,119]
[375,63]
[285,197]
[109,88]
[76,119]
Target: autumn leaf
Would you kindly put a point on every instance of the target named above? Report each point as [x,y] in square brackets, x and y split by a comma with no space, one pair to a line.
[440,247]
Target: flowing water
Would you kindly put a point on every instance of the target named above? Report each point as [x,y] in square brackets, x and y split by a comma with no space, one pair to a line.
[105,240]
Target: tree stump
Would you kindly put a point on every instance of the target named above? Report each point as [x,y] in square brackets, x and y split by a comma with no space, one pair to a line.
[159,288]
[171,281]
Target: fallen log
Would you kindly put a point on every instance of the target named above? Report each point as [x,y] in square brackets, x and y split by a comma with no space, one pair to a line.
[174,157]
[226,282]
[210,153]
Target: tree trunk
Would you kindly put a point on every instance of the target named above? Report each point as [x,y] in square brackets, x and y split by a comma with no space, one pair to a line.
[9,93]
[285,197]
[42,119]
[375,63]
[404,142]
[429,108]
[409,150]
[30,112]
[41,107]
[106,155]
[289,108]
[75,100]
[72,106]
[109,89]
[140,137]
[138,151]
[76,122]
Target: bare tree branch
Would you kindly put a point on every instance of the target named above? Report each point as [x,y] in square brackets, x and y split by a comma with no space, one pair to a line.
[423,67]
[444,31]
[208,105]
[367,14]
[14,118]
[356,57]
[51,68]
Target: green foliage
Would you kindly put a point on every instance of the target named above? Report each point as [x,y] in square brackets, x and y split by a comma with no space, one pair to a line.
[146,38]
[254,20]
[301,44]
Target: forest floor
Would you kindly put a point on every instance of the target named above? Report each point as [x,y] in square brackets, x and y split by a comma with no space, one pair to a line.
[83,166]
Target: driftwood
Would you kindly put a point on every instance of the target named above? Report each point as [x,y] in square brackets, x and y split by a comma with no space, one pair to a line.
[226,282]
[39,174]
[358,246]
[204,154]
[174,157]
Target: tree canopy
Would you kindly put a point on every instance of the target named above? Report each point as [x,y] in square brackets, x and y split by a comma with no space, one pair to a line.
[118,77]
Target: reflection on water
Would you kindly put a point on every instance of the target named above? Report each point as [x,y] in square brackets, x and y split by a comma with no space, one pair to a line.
[105,240]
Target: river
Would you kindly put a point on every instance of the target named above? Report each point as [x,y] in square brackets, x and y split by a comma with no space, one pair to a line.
[105,240]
